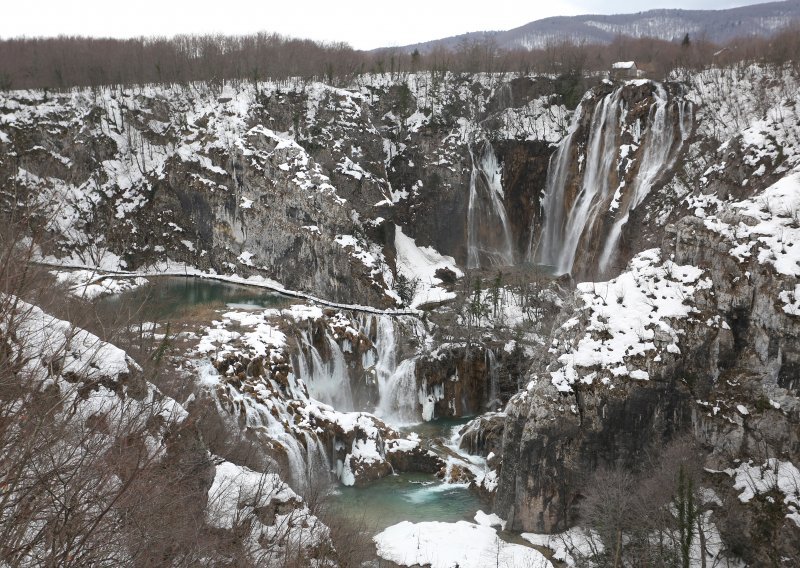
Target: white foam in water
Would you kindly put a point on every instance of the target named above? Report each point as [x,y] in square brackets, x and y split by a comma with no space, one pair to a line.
[431,492]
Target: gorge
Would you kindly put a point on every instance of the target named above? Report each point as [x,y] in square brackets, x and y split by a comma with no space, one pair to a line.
[457,281]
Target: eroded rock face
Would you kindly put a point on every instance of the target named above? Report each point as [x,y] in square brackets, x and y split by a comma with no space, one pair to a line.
[484,435]
[303,184]
[729,384]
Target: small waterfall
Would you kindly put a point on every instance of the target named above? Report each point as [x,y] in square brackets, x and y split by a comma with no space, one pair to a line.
[488,229]
[386,351]
[491,371]
[327,382]
[398,403]
[318,468]
[258,419]
[296,458]
[504,96]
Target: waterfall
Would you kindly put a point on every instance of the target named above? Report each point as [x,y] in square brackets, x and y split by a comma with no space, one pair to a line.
[317,465]
[657,157]
[488,229]
[385,352]
[553,201]
[258,419]
[491,371]
[399,402]
[296,458]
[327,382]
[570,221]
[602,149]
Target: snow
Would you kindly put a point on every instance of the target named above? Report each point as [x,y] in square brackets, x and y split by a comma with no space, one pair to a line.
[623,65]
[236,486]
[492,520]
[419,264]
[627,316]
[537,120]
[766,227]
[246,258]
[782,477]
[450,545]
[263,338]
[238,496]
[568,546]
[47,339]
[791,301]
[88,284]
[66,358]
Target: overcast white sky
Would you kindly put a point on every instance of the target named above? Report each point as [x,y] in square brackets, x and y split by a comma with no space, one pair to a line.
[364,24]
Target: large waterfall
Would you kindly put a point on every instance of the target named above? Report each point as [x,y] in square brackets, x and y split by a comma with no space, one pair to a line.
[579,202]
[489,239]
[657,156]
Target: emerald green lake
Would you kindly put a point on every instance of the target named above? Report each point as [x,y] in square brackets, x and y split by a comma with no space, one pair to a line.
[170,297]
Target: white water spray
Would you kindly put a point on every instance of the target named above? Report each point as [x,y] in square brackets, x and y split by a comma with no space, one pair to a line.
[327,381]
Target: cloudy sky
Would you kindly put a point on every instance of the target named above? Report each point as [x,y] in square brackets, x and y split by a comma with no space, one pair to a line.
[364,24]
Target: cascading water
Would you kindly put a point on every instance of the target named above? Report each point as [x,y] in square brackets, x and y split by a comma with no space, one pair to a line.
[259,420]
[564,233]
[657,156]
[488,229]
[570,223]
[553,201]
[327,382]
[398,404]
[318,468]
[385,352]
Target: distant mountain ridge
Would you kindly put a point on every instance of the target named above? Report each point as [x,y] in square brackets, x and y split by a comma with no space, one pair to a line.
[666,24]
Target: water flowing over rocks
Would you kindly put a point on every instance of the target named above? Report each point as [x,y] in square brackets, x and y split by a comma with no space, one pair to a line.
[696,338]
[669,210]
[622,141]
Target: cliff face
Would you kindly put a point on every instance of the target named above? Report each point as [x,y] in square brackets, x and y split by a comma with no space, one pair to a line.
[300,182]
[696,338]
[687,194]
